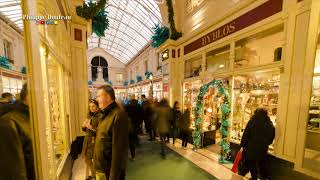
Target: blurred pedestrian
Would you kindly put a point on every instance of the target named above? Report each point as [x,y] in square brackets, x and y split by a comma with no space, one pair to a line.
[184,127]
[258,135]
[163,118]
[16,152]
[176,118]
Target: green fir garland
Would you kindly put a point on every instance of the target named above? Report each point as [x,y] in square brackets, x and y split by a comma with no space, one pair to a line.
[4,62]
[24,70]
[96,12]
[225,123]
[148,74]
[161,34]
[174,34]
[125,83]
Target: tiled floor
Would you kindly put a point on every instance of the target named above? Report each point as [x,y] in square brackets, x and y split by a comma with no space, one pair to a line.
[202,158]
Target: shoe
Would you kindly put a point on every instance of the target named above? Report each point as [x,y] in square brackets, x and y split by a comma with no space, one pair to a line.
[132,159]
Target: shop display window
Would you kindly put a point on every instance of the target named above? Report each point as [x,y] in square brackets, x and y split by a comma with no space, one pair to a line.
[190,93]
[252,91]
[218,60]
[259,49]
[11,85]
[193,67]
[312,145]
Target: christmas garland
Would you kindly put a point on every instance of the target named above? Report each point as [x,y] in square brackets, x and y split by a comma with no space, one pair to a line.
[96,12]
[109,82]
[139,78]
[148,74]
[161,34]
[174,34]
[125,83]
[131,81]
[4,62]
[225,123]
[24,70]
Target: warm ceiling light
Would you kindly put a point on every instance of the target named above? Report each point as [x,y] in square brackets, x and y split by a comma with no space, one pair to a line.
[221,65]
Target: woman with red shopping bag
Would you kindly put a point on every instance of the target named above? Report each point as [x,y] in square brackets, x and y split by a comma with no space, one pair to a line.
[237,161]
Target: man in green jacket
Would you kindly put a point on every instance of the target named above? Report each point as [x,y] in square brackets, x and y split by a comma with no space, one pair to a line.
[16,153]
[111,148]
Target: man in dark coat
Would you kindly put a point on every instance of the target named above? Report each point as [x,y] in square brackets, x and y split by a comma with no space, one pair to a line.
[257,137]
[134,114]
[16,152]
[111,148]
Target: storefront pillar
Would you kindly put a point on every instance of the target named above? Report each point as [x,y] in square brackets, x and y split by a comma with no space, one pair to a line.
[79,32]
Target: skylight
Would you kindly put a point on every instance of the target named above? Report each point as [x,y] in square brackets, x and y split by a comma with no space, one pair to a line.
[130,27]
[11,10]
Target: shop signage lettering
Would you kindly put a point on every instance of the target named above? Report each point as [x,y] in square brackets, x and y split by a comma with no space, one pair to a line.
[267,9]
[219,33]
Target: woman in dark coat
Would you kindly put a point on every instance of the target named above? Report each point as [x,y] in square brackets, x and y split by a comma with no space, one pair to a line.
[90,127]
[257,137]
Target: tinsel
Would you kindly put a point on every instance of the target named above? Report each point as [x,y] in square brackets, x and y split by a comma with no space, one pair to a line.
[225,122]
[24,70]
[96,12]
[174,34]
[161,34]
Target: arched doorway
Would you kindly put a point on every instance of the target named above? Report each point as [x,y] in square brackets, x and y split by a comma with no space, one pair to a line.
[96,62]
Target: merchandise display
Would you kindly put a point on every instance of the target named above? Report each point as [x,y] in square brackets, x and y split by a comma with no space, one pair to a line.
[252,91]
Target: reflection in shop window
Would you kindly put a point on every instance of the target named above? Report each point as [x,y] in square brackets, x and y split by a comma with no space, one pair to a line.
[218,60]
[252,91]
[193,67]
[259,49]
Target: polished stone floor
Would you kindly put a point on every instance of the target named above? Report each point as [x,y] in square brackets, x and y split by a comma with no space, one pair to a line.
[179,164]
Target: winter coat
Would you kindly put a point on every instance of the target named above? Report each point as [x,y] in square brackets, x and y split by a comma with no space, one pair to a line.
[134,112]
[185,121]
[16,152]
[176,118]
[163,118]
[111,148]
[89,140]
[257,137]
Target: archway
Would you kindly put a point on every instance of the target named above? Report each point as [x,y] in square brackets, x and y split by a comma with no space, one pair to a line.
[96,62]
[225,122]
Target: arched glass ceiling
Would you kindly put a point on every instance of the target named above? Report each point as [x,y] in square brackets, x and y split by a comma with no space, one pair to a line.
[11,9]
[130,27]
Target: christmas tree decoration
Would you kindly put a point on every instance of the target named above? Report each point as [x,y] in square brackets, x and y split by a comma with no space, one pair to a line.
[131,81]
[139,78]
[225,122]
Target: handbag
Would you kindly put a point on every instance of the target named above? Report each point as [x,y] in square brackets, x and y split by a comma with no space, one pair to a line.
[237,161]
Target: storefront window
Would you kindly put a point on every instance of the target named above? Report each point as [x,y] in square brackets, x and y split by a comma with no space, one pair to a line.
[218,60]
[312,145]
[11,85]
[193,67]
[259,49]
[252,91]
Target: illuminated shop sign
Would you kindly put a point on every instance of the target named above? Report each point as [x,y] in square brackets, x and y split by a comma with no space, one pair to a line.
[261,12]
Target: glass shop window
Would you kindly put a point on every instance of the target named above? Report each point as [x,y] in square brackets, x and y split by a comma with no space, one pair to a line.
[193,67]
[218,60]
[259,49]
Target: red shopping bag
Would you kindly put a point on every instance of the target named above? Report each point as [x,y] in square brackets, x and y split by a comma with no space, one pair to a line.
[237,162]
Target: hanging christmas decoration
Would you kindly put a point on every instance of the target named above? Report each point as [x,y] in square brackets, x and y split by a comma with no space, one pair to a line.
[131,81]
[174,34]
[90,82]
[4,62]
[225,122]
[148,74]
[125,83]
[24,70]
[139,78]
[161,34]
[96,12]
